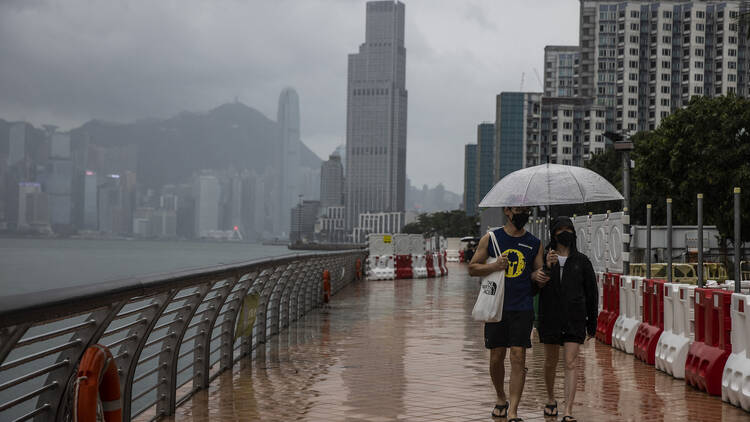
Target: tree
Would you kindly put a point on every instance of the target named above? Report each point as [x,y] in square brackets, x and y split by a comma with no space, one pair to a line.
[445,223]
[704,148]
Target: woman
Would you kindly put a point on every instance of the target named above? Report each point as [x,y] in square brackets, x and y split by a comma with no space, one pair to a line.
[567,311]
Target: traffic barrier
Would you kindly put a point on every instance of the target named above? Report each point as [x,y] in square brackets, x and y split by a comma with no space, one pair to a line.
[429,264]
[404,266]
[623,335]
[735,381]
[674,343]
[326,286]
[605,323]
[383,268]
[600,288]
[647,336]
[707,356]
[436,264]
[419,266]
[461,256]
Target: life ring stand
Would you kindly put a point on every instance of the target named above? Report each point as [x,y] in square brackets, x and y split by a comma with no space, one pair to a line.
[97,387]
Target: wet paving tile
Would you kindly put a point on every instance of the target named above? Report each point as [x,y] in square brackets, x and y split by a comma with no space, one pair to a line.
[408,350]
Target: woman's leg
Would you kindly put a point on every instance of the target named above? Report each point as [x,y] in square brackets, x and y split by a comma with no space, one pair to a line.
[551,357]
[571,374]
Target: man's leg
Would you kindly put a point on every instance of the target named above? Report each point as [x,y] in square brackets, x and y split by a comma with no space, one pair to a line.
[497,372]
[517,378]
[571,375]
[551,357]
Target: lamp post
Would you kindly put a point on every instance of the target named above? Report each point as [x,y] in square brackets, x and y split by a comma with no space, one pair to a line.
[623,144]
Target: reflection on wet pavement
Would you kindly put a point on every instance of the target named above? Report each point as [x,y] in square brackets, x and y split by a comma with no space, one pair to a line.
[409,350]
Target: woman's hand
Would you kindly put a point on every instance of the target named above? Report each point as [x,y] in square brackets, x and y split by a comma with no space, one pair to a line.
[551,258]
[540,277]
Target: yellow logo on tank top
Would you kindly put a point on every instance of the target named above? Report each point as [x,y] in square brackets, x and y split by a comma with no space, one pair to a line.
[516,263]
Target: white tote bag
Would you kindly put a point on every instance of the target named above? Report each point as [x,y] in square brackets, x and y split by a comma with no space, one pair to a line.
[489,306]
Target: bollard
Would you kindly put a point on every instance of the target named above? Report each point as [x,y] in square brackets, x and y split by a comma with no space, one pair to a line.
[326,286]
[701,281]
[648,241]
[737,242]
[669,240]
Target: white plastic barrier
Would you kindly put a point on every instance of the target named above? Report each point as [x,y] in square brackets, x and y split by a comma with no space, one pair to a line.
[452,246]
[674,344]
[672,348]
[735,381]
[383,269]
[600,287]
[436,264]
[626,326]
[418,260]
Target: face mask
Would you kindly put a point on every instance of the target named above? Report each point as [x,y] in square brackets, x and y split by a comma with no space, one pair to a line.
[565,238]
[520,220]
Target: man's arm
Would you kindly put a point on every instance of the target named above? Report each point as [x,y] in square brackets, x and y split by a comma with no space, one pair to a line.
[538,275]
[478,268]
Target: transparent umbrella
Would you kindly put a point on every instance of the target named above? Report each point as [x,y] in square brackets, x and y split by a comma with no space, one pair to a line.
[549,184]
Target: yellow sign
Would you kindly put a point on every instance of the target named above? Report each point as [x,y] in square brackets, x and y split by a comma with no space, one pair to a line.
[246,318]
[387,239]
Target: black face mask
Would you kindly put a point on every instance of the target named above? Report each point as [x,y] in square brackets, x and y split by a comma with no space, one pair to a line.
[565,238]
[520,220]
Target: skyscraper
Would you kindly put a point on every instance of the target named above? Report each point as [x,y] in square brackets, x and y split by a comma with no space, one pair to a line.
[289,171]
[517,127]
[332,182]
[485,158]
[207,196]
[376,115]
[561,63]
[643,60]
[470,180]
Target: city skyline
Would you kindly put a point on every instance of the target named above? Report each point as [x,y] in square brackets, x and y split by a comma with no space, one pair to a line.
[244,50]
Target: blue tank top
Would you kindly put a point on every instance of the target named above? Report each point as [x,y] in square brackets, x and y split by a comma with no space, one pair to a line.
[521,252]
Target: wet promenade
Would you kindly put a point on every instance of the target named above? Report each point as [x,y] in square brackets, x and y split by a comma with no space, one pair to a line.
[409,350]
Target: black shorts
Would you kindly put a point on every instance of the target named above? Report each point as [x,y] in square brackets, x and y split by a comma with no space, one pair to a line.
[514,330]
[561,338]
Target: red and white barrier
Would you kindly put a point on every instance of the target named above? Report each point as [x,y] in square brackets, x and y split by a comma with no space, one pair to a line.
[647,336]
[626,326]
[707,356]
[674,343]
[735,381]
[605,322]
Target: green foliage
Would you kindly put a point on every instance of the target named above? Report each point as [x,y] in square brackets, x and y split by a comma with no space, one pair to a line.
[445,223]
[700,149]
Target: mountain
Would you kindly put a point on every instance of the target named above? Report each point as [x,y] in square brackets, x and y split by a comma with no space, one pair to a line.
[170,151]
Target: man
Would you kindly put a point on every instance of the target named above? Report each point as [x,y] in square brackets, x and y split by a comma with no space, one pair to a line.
[522,258]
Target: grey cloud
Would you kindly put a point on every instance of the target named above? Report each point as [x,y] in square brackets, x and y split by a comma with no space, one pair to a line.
[66,62]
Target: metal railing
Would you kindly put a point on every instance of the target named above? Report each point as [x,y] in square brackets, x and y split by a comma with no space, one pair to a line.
[171,335]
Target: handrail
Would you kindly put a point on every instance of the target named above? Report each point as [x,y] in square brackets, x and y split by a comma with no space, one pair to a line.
[153,324]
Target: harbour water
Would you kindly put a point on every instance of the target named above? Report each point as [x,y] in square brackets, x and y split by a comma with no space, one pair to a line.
[30,265]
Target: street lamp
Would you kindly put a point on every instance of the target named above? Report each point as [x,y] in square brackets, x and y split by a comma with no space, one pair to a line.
[622,143]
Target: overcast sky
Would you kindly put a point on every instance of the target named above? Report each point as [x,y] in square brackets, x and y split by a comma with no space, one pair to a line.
[68,61]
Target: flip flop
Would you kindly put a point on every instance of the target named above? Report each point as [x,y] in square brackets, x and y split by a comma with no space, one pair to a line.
[501,410]
[550,409]
[569,419]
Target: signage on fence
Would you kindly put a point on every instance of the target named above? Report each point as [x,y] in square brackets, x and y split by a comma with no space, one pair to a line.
[600,237]
[246,318]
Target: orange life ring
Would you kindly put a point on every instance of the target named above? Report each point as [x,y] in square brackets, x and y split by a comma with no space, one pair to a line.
[97,378]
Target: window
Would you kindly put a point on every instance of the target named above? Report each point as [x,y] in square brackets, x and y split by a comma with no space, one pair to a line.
[633,76]
[666,64]
[665,102]
[698,77]
[699,39]
[699,65]
[633,64]
[566,113]
[699,52]
[633,51]
[732,52]
[635,27]
[633,89]
[667,26]
[665,89]
[700,14]
[666,52]
[566,150]
[698,90]
[666,39]
[699,27]
[666,77]
[731,65]
[732,40]
[566,125]
[634,14]
[733,27]
[667,14]
[731,77]
[733,14]
[634,39]
[632,101]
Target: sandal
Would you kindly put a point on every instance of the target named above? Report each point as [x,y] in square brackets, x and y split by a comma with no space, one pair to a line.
[569,419]
[515,420]
[502,411]
[550,409]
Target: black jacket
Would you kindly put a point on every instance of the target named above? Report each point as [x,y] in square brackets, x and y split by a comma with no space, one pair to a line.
[569,304]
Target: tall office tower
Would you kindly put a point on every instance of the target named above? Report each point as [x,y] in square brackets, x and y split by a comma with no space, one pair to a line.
[332,182]
[32,207]
[470,180]
[561,64]
[59,181]
[643,60]
[485,159]
[289,172]
[517,127]
[207,193]
[90,201]
[376,115]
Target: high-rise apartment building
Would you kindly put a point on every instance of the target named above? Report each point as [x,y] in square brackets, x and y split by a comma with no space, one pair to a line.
[332,182]
[471,194]
[561,64]
[517,128]
[207,195]
[376,115]
[486,159]
[572,130]
[643,60]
